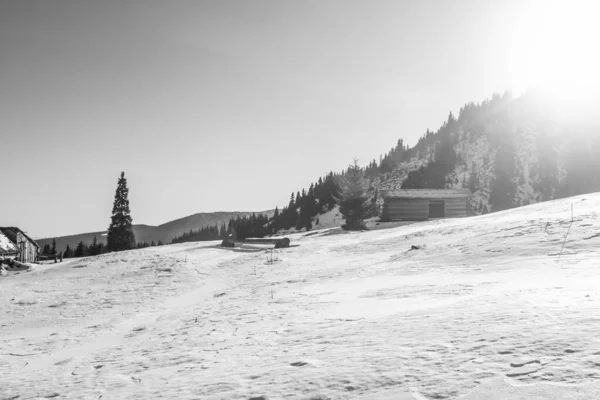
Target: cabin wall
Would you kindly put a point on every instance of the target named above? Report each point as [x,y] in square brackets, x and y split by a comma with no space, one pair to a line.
[405,209]
[396,209]
[455,207]
[29,251]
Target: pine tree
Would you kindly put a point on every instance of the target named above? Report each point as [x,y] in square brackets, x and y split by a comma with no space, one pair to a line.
[68,253]
[330,192]
[94,249]
[354,202]
[275,223]
[53,250]
[120,232]
[81,250]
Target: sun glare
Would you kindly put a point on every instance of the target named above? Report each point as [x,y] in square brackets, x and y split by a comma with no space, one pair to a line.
[556,49]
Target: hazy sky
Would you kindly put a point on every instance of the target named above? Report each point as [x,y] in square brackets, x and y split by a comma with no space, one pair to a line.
[223,105]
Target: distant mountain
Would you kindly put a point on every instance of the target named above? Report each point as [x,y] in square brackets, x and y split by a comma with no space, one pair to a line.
[146,233]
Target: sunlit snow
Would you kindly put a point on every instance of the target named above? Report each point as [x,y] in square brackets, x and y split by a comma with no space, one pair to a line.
[489,307]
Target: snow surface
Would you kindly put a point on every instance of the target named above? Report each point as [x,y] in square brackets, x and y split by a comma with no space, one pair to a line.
[331,219]
[487,308]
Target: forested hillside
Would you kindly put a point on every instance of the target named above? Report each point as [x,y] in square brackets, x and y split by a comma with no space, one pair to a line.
[507,151]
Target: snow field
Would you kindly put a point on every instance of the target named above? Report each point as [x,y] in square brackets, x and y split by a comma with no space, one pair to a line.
[485,308]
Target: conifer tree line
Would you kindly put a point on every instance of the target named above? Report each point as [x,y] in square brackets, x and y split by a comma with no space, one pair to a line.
[348,189]
[97,248]
[205,233]
[434,174]
[303,206]
[50,251]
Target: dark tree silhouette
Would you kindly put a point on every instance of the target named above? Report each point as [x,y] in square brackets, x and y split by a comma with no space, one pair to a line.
[120,232]
[354,202]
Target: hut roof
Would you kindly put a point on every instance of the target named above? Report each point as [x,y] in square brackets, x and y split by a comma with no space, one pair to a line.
[426,193]
[6,246]
[11,233]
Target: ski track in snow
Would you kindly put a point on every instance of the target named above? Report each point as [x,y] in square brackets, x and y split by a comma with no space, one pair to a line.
[484,309]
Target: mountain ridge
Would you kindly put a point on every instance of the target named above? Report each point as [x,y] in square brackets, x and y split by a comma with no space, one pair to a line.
[164,232]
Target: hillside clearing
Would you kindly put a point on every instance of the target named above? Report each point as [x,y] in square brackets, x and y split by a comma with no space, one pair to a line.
[486,307]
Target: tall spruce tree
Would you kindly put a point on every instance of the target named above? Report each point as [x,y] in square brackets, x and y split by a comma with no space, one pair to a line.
[120,232]
[81,250]
[68,252]
[353,201]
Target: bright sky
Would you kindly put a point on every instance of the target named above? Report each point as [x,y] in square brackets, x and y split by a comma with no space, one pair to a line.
[226,105]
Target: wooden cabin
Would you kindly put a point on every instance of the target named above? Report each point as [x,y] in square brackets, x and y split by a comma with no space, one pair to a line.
[423,204]
[27,249]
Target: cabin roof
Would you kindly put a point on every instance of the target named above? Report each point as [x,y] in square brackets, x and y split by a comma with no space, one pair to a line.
[11,233]
[426,193]
[6,245]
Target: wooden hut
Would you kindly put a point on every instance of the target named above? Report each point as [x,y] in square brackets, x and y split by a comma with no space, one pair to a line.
[27,248]
[423,204]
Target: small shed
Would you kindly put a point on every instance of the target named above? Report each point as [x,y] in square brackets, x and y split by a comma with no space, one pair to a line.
[423,204]
[27,249]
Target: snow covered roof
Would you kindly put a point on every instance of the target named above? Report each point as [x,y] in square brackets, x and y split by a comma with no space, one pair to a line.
[425,193]
[6,246]
[11,233]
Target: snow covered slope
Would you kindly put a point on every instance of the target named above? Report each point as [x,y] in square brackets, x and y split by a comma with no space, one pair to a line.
[488,307]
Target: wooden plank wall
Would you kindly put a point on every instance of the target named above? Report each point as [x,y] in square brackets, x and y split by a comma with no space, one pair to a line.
[405,209]
[455,207]
[418,209]
[29,254]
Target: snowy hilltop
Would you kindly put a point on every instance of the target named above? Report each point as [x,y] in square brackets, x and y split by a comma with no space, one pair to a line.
[499,306]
